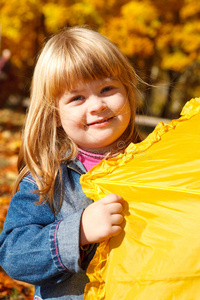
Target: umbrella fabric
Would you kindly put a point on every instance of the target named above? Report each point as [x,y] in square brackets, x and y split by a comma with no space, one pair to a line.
[157,256]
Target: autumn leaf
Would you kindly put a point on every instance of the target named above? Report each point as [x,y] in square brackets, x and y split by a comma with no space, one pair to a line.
[10,125]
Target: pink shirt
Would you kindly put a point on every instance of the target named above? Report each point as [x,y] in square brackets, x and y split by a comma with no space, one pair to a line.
[89,159]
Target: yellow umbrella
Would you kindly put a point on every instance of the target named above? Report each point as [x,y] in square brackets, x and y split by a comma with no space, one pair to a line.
[157,256]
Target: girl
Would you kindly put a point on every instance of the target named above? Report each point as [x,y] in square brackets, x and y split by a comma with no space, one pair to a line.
[82,109]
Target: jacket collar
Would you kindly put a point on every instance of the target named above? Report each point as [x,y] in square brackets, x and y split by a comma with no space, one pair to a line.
[76,165]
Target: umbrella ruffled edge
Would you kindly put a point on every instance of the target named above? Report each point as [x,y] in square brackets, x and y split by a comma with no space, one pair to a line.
[107,166]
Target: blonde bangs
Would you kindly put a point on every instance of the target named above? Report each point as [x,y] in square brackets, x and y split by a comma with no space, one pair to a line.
[88,66]
[72,56]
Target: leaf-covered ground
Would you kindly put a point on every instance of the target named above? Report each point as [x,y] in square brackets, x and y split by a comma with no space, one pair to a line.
[10,128]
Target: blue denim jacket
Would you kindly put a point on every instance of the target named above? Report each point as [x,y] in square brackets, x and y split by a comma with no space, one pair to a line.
[41,248]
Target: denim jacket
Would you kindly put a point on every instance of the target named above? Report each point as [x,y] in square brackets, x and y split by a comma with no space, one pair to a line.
[42,248]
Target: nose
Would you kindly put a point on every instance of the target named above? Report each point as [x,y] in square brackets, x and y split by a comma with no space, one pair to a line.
[97,105]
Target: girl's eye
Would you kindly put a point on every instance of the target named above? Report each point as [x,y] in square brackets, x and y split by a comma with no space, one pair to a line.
[77,98]
[107,89]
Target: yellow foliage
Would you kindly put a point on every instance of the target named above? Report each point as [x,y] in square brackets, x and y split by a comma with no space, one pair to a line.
[141,17]
[55,16]
[141,29]
[141,12]
[98,4]
[82,13]
[135,29]
[191,8]
[179,45]
[177,61]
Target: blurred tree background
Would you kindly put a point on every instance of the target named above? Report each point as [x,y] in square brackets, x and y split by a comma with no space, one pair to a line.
[160,38]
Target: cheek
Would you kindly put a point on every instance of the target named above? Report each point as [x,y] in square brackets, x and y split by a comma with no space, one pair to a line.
[72,122]
[126,110]
[126,115]
[68,116]
[122,102]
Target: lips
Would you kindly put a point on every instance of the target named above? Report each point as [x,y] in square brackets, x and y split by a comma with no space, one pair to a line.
[100,121]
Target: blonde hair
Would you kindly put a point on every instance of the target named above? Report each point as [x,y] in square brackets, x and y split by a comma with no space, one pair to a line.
[72,55]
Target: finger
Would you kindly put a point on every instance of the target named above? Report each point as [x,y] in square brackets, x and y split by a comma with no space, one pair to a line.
[117,219]
[115,208]
[112,198]
[116,230]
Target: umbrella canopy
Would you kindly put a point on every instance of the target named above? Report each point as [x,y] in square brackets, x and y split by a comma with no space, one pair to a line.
[157,254]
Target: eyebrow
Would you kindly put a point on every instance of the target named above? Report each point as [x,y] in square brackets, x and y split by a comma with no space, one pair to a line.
[102,83]
[111,79]
[75,91]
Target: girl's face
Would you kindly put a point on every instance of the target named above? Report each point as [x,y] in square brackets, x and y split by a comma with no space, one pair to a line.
[95,114]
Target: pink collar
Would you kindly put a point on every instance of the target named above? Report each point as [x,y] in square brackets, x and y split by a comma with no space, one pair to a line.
[89,159]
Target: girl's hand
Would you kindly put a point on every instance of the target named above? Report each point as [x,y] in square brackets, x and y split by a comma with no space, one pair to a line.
[101,220]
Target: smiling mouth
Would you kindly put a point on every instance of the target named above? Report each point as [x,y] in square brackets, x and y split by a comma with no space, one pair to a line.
[101,121]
